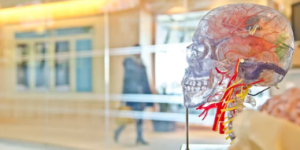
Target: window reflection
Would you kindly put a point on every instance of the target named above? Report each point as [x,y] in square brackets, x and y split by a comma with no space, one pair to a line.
[62,46]
[83,66]
[62,67]
[84,88]
[22,76]
[62,75]
[22,68]
[41,67]
[22,50]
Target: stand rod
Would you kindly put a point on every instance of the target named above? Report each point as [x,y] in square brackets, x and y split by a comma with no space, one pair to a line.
[187,128]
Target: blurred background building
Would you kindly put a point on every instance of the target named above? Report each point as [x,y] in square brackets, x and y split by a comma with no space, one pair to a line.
[61,69]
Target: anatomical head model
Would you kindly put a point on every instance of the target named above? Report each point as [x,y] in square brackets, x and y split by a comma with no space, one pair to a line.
[235,47]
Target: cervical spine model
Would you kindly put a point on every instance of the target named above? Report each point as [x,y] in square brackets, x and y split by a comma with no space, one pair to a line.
[235,47]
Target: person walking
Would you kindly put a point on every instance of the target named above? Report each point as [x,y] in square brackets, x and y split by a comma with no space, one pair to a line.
[135,82]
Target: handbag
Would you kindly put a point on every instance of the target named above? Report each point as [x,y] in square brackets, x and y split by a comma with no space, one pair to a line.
[121,120]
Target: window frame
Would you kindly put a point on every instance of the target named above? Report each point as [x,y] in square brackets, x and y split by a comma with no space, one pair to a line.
[51,57]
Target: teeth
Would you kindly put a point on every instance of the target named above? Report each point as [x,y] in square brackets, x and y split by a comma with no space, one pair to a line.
[186,82]
[188,88]
[199,83]
[192,83]
[192,88]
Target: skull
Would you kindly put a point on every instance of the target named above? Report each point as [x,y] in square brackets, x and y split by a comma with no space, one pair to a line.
[260,37]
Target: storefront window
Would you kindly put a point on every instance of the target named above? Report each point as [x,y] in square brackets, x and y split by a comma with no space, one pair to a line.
[62,69]
[41,67]
[83,66]
[22,67]
[100,75]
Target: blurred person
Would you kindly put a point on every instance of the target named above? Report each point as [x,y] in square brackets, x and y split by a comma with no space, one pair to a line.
[135,82]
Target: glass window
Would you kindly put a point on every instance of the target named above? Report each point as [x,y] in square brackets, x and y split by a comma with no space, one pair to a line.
[177,28]
[22,76]
[99,81]
[41,48]
[83,45]
[83,66]
[62,68]
[62,75]
[41,67]
[22,67]
[62,46]
[22,50]
[27,35]
[71,31]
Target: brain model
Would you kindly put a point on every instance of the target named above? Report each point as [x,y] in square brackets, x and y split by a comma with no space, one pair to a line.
[235,46]
[286,106]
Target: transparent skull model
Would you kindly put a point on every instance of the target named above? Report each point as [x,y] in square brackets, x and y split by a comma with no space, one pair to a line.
[235,46]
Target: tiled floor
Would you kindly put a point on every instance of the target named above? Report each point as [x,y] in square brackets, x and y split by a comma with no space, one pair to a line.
[86,133]
[206,147]
[21,145]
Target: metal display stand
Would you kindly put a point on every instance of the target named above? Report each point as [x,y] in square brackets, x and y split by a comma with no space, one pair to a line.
[188,146]
[187,128]
[205,147]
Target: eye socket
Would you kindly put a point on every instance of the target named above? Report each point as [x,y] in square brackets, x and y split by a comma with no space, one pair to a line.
[200,49]
[195,51]
[189,51]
